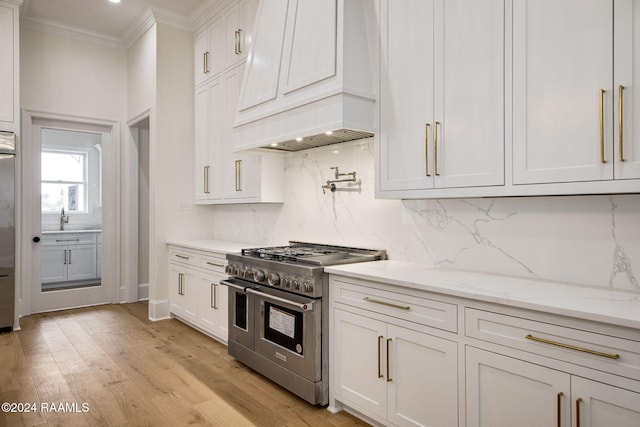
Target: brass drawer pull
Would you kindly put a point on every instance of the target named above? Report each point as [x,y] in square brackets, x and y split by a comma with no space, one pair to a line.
[214,264]
[426,149]
[182,256]
[401,307]
[389,360]
[621,123]
[380,337]
[572,347]
[602,156]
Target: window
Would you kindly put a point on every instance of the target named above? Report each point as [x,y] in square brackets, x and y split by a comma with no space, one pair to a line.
[64,181]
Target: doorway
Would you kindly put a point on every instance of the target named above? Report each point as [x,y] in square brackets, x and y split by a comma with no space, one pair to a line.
[70,189]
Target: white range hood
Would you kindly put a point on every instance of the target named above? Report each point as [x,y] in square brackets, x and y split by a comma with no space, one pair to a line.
[308,78]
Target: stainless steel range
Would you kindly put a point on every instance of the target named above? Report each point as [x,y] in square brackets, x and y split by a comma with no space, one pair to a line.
[279,312]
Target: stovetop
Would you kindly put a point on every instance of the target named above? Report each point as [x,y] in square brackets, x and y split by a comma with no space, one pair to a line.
[314,254]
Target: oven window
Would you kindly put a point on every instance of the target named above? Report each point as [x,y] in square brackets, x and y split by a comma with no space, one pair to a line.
[241,311]
[283,326]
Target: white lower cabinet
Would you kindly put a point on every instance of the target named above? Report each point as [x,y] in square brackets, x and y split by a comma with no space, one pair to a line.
[505,391]
[67,257]
[389,372]
[195,293]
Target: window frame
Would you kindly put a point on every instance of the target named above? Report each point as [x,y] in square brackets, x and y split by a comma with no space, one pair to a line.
[85,182]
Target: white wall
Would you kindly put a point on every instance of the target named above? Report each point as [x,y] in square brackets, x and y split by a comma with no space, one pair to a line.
[592,240]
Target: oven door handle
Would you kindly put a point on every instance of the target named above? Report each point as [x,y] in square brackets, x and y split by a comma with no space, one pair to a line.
[233,285]
[306,306]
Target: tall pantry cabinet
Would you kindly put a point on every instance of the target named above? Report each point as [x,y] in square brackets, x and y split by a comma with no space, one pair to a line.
[441,95]
[9,67]
[221,175]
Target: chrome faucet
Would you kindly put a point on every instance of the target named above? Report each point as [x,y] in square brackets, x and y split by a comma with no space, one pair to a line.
[64,219]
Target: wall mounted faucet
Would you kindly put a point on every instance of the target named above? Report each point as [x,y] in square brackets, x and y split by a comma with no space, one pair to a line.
[331,186]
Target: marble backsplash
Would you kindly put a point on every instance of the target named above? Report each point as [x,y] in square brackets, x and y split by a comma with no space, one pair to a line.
[590,240]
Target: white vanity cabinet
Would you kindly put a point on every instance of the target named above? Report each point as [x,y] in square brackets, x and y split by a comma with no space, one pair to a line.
[9,67]
[69,256]
[441,100]
[380,362]
[195,294]
[415,346]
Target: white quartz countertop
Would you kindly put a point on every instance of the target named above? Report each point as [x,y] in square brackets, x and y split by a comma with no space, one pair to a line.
[600,305]
[212,245]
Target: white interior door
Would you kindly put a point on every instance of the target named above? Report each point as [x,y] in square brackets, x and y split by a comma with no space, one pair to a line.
[67,163]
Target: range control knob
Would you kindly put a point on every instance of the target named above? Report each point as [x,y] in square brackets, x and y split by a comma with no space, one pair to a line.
[307,286]
[258,275]
[247,273]
[296,284]
[273,279]
[286,282]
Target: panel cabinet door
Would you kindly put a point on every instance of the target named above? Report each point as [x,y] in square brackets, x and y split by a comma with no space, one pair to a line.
[603,405]
[627,90]
[469,94]
[176,297]
[202,178]
[359,367]
[6,64]
[562,61]
[406,94]
[190,293]
[213,310]
[423,382]
[239,21]
[506,392]
[82,262]
[209,52]
[54,264]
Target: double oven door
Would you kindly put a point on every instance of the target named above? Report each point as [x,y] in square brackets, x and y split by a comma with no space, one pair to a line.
[282,327]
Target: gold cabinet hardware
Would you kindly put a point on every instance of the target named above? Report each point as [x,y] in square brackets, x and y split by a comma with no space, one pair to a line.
[578,402]
[435,148]
[214,296]
[238,41]
[389,304]
[620,123]
[602,157]
[559,408]
[380,337]
[238,175]
[206,180]
[205,64]
[426,148]
[572,347]
[388,360]
[214,264]
[181,256]
[180,284]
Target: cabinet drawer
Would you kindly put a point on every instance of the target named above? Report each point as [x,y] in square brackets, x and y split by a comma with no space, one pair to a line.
[213,262]
[65,239]
[407,307]
[184,256]
[598,351]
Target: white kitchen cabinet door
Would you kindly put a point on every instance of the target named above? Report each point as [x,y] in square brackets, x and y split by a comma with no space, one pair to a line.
[562,60]
[53,264]
[601,405]
[81,262]
[183,295]
[210,53]
[626,67]
[423,379]
[239,20]
[469,93]
[210,129]
[233,170]
[406,94]
[202,178]
[7,52]
[506,392]
[360,376]
[213,310]
[441,95]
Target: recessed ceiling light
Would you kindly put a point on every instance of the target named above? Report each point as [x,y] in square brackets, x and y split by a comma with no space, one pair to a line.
[275,144]
[328,132]
[299,139]
[114,1]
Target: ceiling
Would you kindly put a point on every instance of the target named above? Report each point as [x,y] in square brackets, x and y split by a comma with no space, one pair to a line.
[101,18]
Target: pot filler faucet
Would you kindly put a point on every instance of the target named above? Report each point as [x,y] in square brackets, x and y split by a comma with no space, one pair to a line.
[64,219]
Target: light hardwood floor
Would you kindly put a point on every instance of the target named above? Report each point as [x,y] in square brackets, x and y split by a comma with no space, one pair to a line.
[134,372]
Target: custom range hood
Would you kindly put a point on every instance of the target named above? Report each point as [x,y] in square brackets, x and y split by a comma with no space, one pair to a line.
[308,78]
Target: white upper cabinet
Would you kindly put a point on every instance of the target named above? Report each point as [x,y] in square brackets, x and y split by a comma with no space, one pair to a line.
[562,91]
[626,90]
[441,96]
[238,23]
[210,51]
[9,57]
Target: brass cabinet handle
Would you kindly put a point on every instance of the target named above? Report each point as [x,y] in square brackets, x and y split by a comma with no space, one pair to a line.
[435,148]
[206,180]
[180,284]
[572,347]
[214,296]
[238,175]
[388,360]
[239,41]
[620,123]
[578,402]
[379,357]
[426,149]
[214,264]
[559,409]
[389,304]
[181,256]
[602,157]
[206,63]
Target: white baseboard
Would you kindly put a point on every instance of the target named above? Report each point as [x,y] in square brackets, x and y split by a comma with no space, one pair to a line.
[158,310]
[143,291]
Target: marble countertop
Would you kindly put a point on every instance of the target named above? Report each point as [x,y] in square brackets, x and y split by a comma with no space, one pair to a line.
[600,305]
[221,246]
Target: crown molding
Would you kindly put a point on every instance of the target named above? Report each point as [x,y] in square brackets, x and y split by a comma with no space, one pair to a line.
[58,29]
[205,13]
[16,2]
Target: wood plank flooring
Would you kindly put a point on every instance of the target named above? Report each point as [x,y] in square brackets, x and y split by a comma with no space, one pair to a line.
[134,372]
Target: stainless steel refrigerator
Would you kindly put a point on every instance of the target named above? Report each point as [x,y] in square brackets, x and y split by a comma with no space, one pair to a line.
[7,229]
